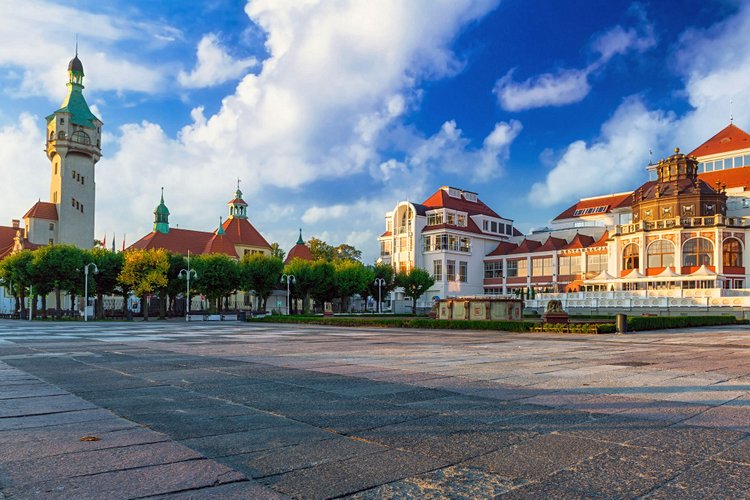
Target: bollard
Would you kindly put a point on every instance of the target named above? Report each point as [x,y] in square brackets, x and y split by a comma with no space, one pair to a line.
[621,323]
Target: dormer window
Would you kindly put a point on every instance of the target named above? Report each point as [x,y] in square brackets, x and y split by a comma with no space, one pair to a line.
[454,193]
[472,197]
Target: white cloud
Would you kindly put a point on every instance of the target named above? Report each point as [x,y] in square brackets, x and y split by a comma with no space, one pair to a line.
[41,45]
[214,66]
[609,163]
[568,86]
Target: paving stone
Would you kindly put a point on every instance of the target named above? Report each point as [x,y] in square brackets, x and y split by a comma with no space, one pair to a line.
[711,479]
[34,421]
[240,490]
[739,452]
[726,417]
[696,442]
[140,482]
[451,482]
[84,463]
[302,456]
[615,429]
[537,458]
[352,475]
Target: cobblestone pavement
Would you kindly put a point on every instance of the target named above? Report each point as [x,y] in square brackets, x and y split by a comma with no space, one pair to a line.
[132,410]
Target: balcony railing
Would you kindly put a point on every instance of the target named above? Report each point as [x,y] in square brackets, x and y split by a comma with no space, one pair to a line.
[708,221]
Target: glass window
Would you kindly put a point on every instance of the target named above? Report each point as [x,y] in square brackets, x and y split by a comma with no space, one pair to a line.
[523,268]
[485,225]
[464,245]
[660,253]
[452,243]
[746,161]
[450,218]
[729,163]
[630,258]
[701,167]
[493,226]
[434,219]
[463,271]
[493,269]
[427,244]
[569,264]
[737,161]
[461,220]
[512,268]
[451,268]
[541,266]
[437,270]
[732,251]
[709,166]
[697,252]
[596,262]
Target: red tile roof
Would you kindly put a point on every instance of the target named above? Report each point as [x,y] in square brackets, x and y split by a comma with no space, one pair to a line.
[602,242]
[503,248]
[610,201]
[219,243]
[730,138]
[298,251]
[7,235]
[732,177]
[471,227]
[579,241]
[241,232]
[526,246]
[237,201]
[387,233]
[178,241]
[440,199]
[551,244]
[42,210]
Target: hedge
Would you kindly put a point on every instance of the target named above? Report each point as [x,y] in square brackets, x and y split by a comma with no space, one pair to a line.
[425,323]
[640,323]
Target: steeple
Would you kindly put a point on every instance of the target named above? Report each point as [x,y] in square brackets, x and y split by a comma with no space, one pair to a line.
[220,231]
[161,216]
[237,206]
[300,241]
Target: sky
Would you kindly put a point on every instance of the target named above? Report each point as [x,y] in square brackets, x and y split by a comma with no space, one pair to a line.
[330,112]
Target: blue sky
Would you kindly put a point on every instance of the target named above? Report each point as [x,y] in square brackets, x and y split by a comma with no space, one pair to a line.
[331,111]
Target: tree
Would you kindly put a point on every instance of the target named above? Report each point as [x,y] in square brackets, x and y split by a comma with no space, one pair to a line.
[352,277]
[262,274]
[347,252]
[174,286]
[276,251]
[107,280]
[16,272]
[304,279]
[388,275]
[321,250]
[415,283]
[63,267]
[218,277]
[145,271]
[323,277]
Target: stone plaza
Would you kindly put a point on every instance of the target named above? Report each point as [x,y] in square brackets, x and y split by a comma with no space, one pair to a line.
[175,410]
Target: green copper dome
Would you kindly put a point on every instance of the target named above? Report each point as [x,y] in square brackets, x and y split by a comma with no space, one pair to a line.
[161,216]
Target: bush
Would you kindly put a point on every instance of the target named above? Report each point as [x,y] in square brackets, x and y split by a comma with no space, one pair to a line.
[403,322]
[640,323]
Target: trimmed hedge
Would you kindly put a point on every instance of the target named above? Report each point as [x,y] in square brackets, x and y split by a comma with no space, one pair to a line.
[424,323]
[640,323]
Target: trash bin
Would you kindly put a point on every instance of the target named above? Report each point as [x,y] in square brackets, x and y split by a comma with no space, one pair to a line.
[241,316]
[621,323]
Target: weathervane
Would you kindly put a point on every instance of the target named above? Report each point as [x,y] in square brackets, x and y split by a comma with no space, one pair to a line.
[731,115]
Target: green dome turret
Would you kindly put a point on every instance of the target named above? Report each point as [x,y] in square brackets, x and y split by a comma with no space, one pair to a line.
[161,216]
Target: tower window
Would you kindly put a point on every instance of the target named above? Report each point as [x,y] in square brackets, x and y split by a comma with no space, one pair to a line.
[51,135]
[74,174]
[82,180]
[61,134]
[80,137]
[73,202]
[54,197]
[51,226]
[62,121]
[81,207]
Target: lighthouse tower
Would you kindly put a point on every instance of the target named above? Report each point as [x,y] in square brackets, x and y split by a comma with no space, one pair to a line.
[73,148]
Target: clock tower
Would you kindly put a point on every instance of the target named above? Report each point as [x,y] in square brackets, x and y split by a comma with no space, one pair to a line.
[73,148]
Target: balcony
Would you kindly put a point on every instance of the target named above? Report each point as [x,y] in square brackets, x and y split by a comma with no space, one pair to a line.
[682,222]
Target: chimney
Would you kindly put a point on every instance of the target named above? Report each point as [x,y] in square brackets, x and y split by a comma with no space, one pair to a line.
[16,223]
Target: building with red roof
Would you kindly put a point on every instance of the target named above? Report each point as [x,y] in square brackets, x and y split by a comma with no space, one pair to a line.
[235,237]
[300,250]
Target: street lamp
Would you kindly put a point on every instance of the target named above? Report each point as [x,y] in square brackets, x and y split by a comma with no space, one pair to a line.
[380,283]
[187,272]
[86,288]
[289,279]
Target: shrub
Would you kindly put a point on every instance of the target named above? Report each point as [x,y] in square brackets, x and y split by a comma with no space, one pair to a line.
[640,323]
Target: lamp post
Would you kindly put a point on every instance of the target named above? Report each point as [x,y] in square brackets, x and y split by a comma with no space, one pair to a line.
[187,272]
[380,283]
[289,279]
[86,288]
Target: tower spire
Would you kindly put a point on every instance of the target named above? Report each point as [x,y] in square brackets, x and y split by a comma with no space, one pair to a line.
[731,115]
[161,216]
[300,241]
[220,231]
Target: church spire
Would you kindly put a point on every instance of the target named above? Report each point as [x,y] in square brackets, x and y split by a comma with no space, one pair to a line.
[300,241]
[161,216]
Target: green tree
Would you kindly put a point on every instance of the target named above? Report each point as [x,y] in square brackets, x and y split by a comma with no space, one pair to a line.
[324,281]
[174,286]
[388,275]
[352,278]
[16,271]
[321,250]
[107,280]
[144,272]
[63,267]
[261,273]
[277,251]
[415,283]
[347,252]
[304,280]
[218,277]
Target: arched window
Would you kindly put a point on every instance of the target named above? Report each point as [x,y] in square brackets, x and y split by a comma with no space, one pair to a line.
[660,253]
[630,257]
[51,135]
[80,137]
[732,250]
[697,252]
[61,134]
